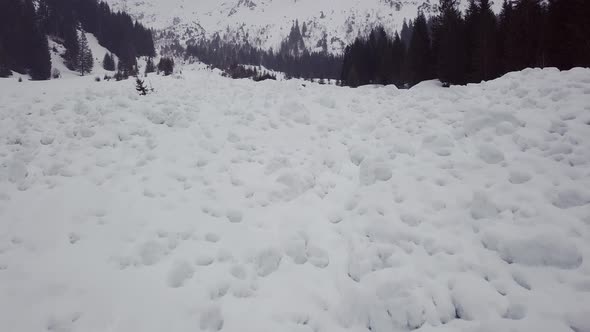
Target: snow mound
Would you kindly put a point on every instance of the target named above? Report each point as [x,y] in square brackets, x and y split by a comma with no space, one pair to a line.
[543,249]
[240,206]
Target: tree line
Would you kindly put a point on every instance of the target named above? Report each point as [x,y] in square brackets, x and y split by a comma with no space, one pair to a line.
[478,45]
[292,57]
[24,28]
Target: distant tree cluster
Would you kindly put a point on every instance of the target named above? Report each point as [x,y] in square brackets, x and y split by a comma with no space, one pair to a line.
[23,44]
[240,71]
[150,67]
[166,66]
[461,48]
[292,58]
[25,24]
[115,31]
[108,62]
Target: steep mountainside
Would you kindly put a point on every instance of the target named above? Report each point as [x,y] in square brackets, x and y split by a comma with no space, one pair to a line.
[265,23]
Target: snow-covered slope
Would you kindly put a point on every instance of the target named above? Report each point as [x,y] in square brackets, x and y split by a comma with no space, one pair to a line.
[56,51]
[267,22]
[236,206]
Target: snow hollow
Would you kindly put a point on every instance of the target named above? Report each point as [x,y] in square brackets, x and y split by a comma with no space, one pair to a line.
[228,205]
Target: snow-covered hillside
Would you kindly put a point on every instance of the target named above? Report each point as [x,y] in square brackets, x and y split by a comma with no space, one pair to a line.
[266,22]
[98,52]
[227,205]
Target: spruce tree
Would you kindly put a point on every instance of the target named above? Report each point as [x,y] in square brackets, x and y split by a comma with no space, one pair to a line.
[4,66]
[398,53]
[419,57]
[166,66]
[149,66]
[484,62]
[140,87]
[85,60]
[72,46]
[505,22]
[450,43]
[37,48]
[108,62]
[406,33]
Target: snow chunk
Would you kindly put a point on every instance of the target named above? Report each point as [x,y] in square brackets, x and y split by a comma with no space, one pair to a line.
[490,154]
[543,249]
[318,257]
[295,112]
[503,122]
[358,154]
[151,252]
[267,261]
[482,207]
[17,171]
[211,319]
[442,145]
[234,216]
[475,299]
[372,170]
[519,177]
[570,198]
[294,184]
[180,273]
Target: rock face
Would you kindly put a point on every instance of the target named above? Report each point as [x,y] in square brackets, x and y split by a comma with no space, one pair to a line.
[265,23]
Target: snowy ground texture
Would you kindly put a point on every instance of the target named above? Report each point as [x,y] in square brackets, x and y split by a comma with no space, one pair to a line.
[228,205]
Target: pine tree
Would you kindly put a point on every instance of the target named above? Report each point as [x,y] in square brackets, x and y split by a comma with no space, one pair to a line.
[4,66]
[524,36]
[72,45]
[166,66]
[568,28]
[450,43]
[398,53]
[406,33]
[85,60]
[108,63]
[149,66]
[419,57]
[505,22]
[140,87]
[37,53]
[484,62]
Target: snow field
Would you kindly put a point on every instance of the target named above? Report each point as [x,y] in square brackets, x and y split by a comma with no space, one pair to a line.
[228,205]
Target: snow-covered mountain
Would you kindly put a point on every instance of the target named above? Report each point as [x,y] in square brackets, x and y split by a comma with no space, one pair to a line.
[266,22]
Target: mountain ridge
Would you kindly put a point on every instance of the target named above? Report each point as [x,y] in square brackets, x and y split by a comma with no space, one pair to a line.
[265,23]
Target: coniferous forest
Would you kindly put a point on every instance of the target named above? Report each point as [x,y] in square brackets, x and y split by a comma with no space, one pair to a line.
[292,57]
[478,45]
[24,28]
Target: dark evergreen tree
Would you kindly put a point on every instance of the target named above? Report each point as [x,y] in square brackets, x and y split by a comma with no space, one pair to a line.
[23,45]
[85,60]
[406,33]
[140,87]
[149,66]
[472,15]
[166,66]
[397,58]
[108,63]
[72,45]
[37,57]
[568,30]
[505,22]
[450,44]
[524,36]
[419,59]
[484,63]
[4,65]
